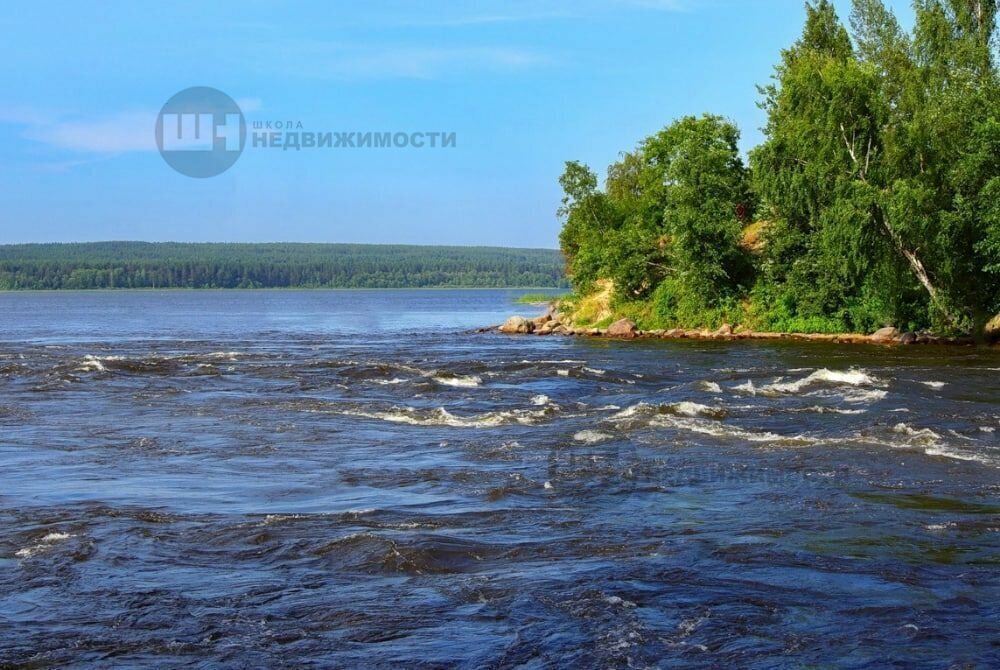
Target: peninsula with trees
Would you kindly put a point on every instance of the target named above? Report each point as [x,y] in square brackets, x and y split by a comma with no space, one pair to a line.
[874,199]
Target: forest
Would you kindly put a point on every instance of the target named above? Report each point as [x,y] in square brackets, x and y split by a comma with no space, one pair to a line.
[873,200]
[102,265]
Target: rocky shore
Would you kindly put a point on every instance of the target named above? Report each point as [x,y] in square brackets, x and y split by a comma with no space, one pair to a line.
[554,323]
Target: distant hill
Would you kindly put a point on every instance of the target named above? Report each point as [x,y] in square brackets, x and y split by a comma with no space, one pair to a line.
[97,265]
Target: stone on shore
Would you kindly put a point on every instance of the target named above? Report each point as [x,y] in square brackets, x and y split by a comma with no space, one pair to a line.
[887,334]
[623,328]
[992,329]
[517,324]
[724,329]
[908,338]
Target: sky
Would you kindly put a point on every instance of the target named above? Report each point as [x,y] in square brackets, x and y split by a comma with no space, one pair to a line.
[523,85]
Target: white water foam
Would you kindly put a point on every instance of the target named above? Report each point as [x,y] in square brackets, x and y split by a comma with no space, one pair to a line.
[710,387]
[591,436]
[458,380]
[719,429]
[96,363]
[540,400]
[819,409]
[853,386]
[442,417]
[43,545]
[225,355]
[934,385]
[684,408]
[931,443]
[849,377]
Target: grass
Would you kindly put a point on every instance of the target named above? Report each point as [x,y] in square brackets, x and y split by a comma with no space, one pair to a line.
[537,298]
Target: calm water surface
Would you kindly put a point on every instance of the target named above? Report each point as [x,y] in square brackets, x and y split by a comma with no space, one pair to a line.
[337,479]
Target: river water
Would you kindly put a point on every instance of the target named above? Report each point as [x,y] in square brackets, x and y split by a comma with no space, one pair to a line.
[338,479]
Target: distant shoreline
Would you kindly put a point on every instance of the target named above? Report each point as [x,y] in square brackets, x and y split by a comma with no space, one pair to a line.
[173,265]
[183,289]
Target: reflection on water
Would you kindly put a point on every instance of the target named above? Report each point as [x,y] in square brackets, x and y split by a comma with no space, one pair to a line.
[348,478]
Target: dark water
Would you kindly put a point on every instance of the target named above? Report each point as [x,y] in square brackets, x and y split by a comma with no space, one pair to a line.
[336,479]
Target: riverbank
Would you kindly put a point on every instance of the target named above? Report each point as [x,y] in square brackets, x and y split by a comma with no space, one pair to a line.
[552,323]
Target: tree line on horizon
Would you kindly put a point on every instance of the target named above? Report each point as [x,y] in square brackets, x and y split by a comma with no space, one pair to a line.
[124,265]
[874,198]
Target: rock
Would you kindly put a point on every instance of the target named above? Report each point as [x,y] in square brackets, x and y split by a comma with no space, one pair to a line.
[560,330]
[623,328]
[517,324]
[543,319]
[908,338]
[724,329]
[887,334]
[992,329]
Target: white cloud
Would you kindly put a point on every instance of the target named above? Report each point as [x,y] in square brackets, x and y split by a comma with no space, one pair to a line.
[121,133]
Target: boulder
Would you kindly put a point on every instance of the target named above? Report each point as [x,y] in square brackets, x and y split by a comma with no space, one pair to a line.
[724,329]
[992,329]
[623,328]
[517,324]
[543,319]
[887,334]
[908,338]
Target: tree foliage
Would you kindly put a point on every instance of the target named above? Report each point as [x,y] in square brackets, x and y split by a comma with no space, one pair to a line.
[878,183]
[670,212]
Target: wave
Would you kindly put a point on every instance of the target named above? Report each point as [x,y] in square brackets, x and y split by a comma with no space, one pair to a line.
[710,387]
[697,418]
[932,444]
[852,386]
[153,364]
[684,408]
[391,382]
[823,375]
[458,380]
[442,417]
[919,434]
[42,545]
[591,436]
[819,409]
[721,429]
[540,400]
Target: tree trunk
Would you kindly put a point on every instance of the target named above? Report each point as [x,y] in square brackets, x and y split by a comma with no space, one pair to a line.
[919,271]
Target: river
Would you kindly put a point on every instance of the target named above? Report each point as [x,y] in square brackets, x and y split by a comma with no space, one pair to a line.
[354,478]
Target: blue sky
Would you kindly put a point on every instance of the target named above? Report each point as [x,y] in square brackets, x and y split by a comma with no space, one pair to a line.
[524,85]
